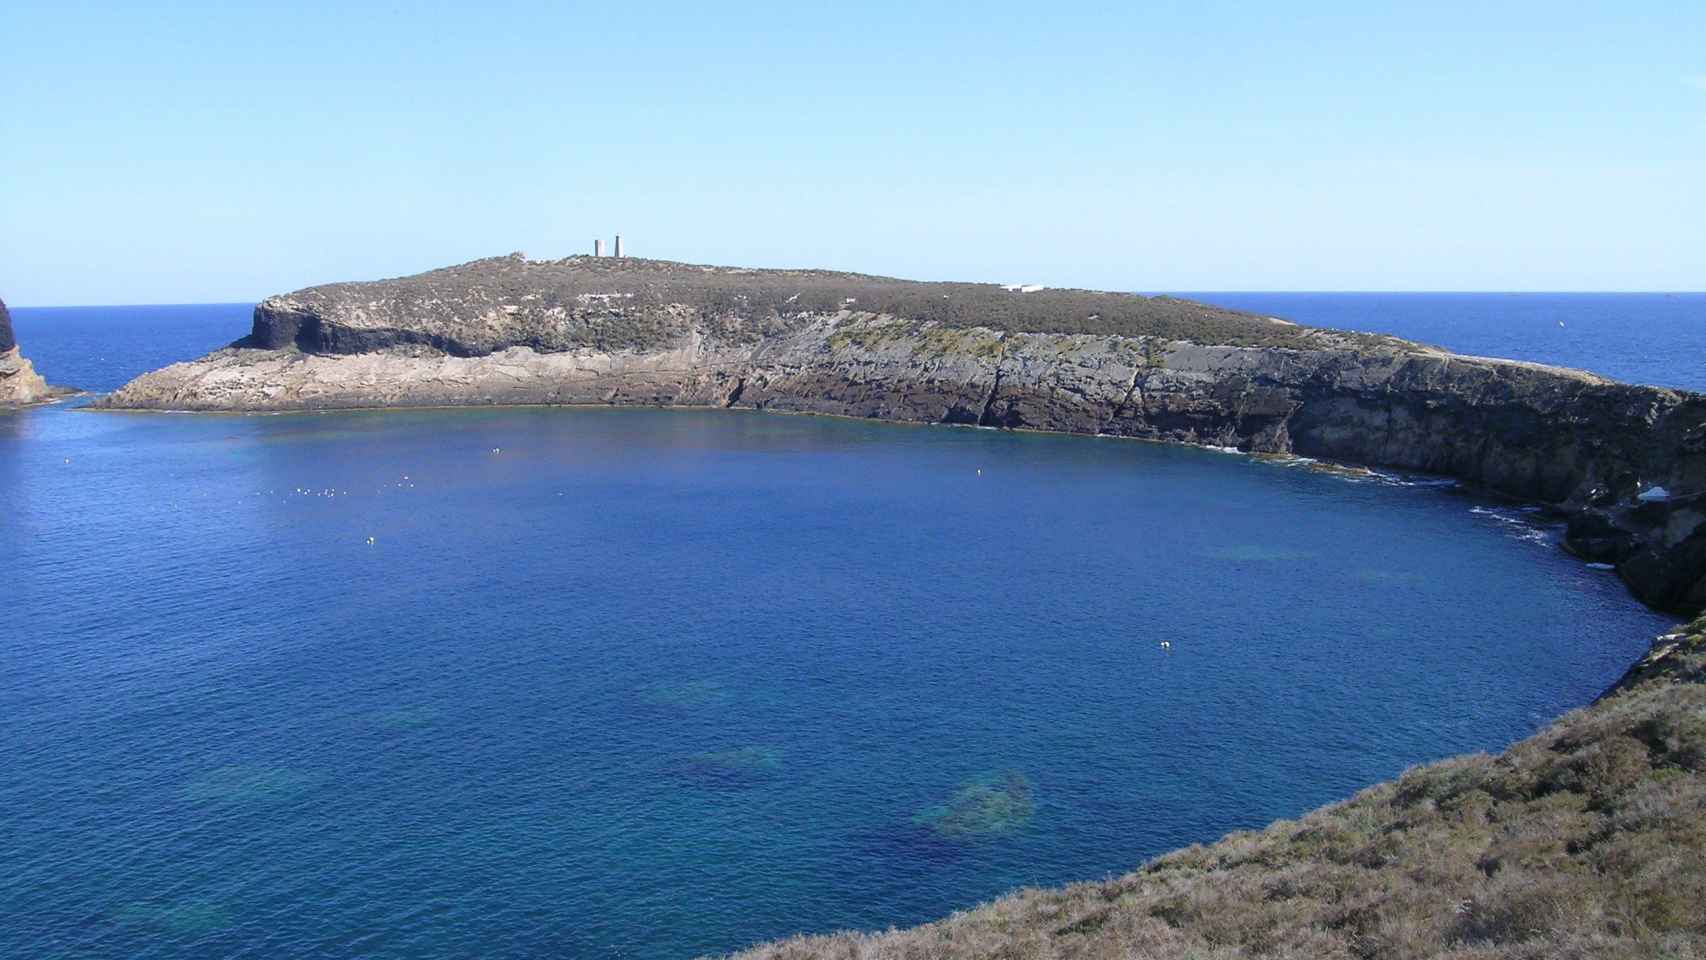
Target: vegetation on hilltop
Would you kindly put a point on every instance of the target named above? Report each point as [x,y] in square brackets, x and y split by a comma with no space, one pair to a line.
[6,341]
[748,303]
[1586,840]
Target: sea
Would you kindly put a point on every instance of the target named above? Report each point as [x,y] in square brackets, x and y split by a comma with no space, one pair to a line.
[639,683]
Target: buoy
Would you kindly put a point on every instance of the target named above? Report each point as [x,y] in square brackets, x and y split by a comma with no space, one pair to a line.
[370,541]
[1166,645]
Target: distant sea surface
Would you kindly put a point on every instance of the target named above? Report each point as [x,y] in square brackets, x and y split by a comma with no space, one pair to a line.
[638,683]
[1651,338]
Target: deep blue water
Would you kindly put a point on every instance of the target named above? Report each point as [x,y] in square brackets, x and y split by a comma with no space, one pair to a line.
[101,348]
[651,684]
[1654,338]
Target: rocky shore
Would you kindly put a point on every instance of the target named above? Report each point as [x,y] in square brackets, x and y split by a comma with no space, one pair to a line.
[19,382]
[1625,464]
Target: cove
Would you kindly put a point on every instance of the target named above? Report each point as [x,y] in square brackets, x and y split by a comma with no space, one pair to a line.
[647,683]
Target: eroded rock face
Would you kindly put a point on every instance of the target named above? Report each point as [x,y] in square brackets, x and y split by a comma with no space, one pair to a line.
[646,332]
[19,382]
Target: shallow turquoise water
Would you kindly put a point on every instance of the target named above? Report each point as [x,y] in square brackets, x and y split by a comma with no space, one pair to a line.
[651,684]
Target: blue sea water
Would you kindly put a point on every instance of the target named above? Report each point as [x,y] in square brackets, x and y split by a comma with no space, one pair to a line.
[1652,338]
[630,683]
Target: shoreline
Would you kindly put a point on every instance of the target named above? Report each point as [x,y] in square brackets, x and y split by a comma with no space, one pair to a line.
[1343,471]
[55,396]
[1348,471]
[1622,465]
[1652,659]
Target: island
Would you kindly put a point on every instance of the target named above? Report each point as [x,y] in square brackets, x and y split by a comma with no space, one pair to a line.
[20,385]
[1624,464]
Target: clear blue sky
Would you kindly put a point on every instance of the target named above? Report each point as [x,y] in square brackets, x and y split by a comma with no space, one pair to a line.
[193,151]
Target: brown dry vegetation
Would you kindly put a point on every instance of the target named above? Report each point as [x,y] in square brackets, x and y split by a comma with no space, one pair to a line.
[1586,840]
[746,304]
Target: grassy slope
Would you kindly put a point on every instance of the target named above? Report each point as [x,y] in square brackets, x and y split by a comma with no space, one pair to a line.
[1586,840]
[744,304]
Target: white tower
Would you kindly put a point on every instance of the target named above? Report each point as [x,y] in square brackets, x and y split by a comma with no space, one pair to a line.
[598,248]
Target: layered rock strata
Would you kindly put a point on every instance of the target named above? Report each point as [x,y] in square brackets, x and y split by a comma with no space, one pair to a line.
[19,382]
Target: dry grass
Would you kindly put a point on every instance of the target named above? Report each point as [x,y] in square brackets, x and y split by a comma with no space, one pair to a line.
[1586,840]
[648,298]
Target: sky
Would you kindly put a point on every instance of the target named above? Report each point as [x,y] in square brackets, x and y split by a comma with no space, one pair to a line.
[196,152]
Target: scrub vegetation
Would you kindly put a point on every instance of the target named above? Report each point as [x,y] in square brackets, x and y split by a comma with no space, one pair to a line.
[1586,840]
[631,302]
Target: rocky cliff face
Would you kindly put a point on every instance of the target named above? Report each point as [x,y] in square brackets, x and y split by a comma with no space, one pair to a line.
[611,331]
[19,383]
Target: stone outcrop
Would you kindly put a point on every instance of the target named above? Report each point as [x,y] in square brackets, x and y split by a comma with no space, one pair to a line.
[19,382]
[588,331]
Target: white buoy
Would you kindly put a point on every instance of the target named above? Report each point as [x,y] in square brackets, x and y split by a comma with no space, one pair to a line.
[1166,645]
[370,541]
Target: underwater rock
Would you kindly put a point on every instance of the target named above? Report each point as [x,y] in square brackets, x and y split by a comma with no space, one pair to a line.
[684,695]
[983,807]
[1400,578]
[1257,553]
[406,718]
[1340,470]
[188,918]
[737,767]
[247,783]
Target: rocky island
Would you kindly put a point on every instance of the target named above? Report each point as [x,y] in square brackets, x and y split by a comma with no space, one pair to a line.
[19,382]
[1625,464]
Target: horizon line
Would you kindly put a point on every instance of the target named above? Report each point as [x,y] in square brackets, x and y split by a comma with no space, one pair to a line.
[1141,293]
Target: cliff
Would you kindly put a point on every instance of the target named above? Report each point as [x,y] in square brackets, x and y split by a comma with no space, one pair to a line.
[1585,840]
[614,331]
[19,382]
